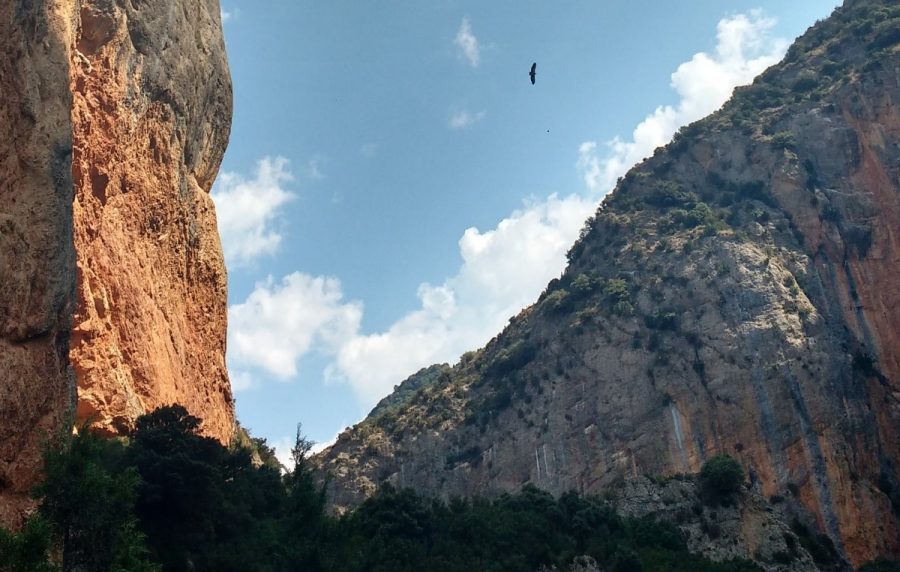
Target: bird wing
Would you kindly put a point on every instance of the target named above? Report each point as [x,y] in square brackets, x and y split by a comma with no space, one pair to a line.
[533,67]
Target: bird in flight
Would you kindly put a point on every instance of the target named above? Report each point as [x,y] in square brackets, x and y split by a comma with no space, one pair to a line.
[533,72]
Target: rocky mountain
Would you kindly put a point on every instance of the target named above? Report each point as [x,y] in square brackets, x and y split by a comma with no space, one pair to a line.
[737,293]
[116,115]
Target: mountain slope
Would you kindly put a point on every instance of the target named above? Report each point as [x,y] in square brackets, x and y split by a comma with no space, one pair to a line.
[736,293]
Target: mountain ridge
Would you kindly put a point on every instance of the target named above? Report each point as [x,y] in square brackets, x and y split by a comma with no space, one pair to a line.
[733,294]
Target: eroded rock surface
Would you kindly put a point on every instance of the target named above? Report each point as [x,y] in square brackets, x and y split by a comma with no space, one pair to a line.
[738,292]
[37,257]
[115,116]
[151,118]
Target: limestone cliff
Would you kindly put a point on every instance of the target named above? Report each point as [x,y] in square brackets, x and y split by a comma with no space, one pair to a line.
[151,117]
[736,293]
[115,117]
[37,256]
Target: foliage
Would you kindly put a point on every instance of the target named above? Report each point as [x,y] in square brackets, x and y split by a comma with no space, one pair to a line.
[886,34]
[721,477]
[819,546]
[806,81]
[784,140]
[88,497]
[512,358]
[27,550]
[557,301]
[670,194]
[200,506]
[398,530]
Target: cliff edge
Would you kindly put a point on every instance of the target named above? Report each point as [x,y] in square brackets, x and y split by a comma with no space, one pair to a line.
[112,280]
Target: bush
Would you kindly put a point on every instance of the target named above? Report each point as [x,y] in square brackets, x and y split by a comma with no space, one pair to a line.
[886,34]
[784,140]
[670,194]
[806,81]
[721,477]
[557,301]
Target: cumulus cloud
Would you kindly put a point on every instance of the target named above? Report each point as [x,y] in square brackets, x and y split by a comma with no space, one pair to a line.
[744,48]
[467,44]
[503,268]
[247,210]
[281,321]
[463,119]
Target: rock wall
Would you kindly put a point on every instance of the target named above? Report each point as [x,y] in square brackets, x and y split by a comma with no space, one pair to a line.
[37,257]
[115,117]
[737,293]
[151,117]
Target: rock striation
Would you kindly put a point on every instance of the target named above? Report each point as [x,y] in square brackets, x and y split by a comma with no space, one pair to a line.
[116,115]
[737,293]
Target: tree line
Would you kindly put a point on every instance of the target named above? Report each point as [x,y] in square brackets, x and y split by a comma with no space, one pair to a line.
[168,499]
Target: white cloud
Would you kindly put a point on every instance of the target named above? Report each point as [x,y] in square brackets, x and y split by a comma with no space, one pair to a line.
[467,44]
[284,448]
[504,268]
[283,452]
[246,210]
[227,15]
[463,119]
[281,321]
[744,49]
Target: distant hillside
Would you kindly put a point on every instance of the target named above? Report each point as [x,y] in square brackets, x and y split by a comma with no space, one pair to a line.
[738,292]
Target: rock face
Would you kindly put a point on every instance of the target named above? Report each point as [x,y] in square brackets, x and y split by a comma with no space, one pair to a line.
[748,527]
[37,256]
[115,117]
[151,117]
[736,293]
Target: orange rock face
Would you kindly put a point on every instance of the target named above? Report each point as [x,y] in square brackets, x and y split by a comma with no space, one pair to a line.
[115,117]
[151,117]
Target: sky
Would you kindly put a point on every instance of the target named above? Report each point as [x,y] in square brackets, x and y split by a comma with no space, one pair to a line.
[396,189]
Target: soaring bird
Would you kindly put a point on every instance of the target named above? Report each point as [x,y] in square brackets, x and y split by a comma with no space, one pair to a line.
[533,72]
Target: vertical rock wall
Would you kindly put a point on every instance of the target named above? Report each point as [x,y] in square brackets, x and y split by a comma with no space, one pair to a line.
[151,118]
[115,115]
[37,258]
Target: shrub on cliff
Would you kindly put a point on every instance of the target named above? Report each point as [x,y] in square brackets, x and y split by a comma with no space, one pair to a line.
[721,477]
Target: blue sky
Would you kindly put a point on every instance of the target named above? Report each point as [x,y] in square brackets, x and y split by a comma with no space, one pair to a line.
[395,188]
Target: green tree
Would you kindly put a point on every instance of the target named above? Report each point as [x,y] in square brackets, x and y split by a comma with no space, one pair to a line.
[27,550]
[721,477]
[88,497]
[180,491]
[305,526]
